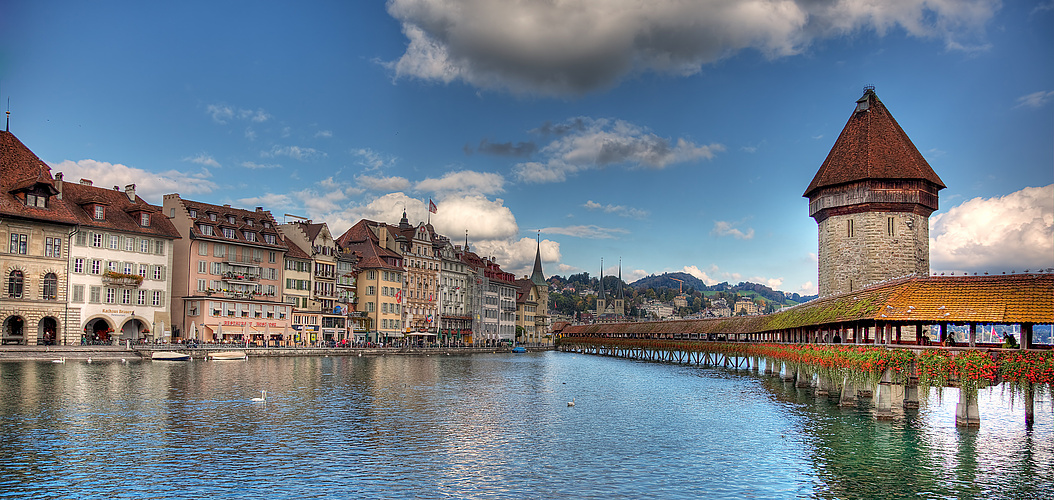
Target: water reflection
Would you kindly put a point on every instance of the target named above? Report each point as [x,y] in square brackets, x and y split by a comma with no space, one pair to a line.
[489,426]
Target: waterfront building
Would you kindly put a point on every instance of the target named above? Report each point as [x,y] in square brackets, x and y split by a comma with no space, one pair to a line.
[421,262]
[120,264]
[347,295]
[746,306]
[379,281]
[35,231]
[317,242]
[296,291]
[532,303]
[871,200]
[227,273]
[494,303]
[455,318]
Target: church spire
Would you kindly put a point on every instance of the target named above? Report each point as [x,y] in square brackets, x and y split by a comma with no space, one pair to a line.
[537,277]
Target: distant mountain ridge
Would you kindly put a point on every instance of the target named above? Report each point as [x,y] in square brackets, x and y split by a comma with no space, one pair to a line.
[665,280]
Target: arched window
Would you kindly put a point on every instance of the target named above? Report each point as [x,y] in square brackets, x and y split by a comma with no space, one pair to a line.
[51,287]
[15,283]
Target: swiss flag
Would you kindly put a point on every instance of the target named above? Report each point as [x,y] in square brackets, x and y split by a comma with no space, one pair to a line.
[399,296]
[431,206]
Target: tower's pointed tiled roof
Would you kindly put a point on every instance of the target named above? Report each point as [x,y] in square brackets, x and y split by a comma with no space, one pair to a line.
[872,146]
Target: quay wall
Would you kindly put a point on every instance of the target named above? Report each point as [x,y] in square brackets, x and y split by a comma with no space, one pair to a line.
[117,353]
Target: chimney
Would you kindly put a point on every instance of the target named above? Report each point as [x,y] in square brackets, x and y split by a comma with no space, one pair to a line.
[86,182]
[228,205]
[130,191]
[58,183]
[259,209]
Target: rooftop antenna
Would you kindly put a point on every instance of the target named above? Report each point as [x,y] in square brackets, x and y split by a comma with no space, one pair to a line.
[7,127]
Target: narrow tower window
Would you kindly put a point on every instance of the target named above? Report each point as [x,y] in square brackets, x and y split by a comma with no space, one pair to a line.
[890,226]
[849,228]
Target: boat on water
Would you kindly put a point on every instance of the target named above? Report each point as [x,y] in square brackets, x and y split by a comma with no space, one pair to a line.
[228,355]
[519,349]
[170,356]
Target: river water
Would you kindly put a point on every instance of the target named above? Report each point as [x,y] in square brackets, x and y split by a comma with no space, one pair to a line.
[490,426]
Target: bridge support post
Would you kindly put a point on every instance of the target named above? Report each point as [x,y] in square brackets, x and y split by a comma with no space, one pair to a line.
[768,367]
[911,392]
[802,378]
[884,397]
[966,411]
[788,373]
[822,386]
[1030,404]
[848,396]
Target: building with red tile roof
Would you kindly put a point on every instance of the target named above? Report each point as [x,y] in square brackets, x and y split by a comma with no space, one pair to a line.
[227,282]
[120,264]
[35,231]
[380,280]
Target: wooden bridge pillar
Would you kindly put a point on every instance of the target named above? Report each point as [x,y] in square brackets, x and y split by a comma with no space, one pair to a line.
[911,392]
[1026,336]
[1030,404]
[966,412]
[973,334]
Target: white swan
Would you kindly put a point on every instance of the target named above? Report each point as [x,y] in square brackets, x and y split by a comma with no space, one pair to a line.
[571,402]
[262,398]
[89,361]
[60,360]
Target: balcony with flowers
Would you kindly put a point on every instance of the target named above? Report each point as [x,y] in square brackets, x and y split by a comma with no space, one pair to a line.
[122,280]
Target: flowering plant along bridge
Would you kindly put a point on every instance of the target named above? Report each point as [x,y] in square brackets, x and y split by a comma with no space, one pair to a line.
[873,342]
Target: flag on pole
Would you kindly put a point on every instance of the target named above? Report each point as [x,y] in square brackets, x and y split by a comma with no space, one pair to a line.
[399,296]
[431,206]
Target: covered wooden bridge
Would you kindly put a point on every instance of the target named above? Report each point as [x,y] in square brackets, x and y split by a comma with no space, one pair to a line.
[899,311]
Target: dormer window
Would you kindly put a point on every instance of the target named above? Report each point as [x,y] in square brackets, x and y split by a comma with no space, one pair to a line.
[269,239]
[99,213]
[228,233]
[205,229]
[249,235]
[193,214]
[249,222]
[212,217]
[230,219]
[36,200]
[144,219]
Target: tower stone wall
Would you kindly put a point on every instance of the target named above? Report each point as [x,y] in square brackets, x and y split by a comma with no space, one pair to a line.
[860,249]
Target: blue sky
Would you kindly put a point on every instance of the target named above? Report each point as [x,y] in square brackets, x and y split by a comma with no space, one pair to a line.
[676,137]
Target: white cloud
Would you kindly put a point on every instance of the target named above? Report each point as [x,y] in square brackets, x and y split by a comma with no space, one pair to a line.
[373,160]
[383,183]
[222,113]
[573,47]
[1035,99]
[586,143]
[723,228]
[1012,232]
[807,288]
[517,256]
[269,201]
[257,166]
[485,219]
[151,186]
[699,273]
[464,182]
[294,152]
[324,134]
[591,232]
[204,159]
[619,210]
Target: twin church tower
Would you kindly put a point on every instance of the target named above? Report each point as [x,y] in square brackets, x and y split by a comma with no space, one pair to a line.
[871,200]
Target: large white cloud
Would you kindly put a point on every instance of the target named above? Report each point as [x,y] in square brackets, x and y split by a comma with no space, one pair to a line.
[150,186]
[1012,232]
[575,46]
[464,182]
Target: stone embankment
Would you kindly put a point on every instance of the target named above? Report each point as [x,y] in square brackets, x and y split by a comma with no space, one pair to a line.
[117,353]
